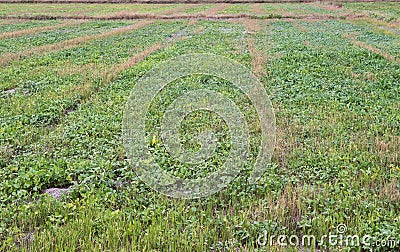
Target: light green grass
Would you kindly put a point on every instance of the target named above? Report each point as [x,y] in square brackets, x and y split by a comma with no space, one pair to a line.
[26,25]
[237,9]
[336,160]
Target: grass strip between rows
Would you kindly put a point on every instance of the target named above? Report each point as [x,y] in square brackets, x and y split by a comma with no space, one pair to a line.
[71,43]
[15,34]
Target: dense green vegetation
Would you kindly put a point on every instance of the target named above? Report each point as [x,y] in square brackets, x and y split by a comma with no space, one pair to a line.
[6,27]
[335,88]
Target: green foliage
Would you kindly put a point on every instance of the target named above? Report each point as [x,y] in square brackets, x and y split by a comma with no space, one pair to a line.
[337,109]
[6,27]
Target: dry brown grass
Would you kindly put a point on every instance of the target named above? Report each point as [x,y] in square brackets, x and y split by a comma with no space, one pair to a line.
[19,33]
[252,25]
[387,149]
[286,139]
[11,21]
[71,43]
[288,205]
[364,76]
[329,6]
[215,10]
[258,58]
[390,190]
[192,21]
[257,9]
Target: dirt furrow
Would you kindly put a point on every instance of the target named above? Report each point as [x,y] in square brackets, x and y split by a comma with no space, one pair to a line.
[215,10]
[257,9]
[258,58]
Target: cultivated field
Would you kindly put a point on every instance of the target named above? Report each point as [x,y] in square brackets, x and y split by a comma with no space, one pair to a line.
[331,70]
